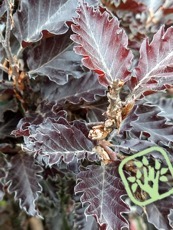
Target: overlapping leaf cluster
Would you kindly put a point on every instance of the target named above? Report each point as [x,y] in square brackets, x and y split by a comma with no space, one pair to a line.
[55,81]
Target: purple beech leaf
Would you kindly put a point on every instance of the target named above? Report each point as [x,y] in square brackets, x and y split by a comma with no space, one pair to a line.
[164,103]
[36,118]
[80,220]
[56,139]
[55,58]
[133,146]
[145,121]
[23,179]
[155,66]
[87,88]
[34,17]
[94,32]
[102,191]
[158,213]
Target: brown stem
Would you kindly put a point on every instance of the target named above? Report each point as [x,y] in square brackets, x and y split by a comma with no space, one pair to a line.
[114,110]
[108,150]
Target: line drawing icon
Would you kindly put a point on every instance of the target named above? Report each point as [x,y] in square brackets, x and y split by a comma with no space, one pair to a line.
[148,177]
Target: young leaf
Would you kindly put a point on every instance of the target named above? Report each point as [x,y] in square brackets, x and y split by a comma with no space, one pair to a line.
[154,69]
[34,17]
[102,189]
[102,43]
[54,57]
[23,180]
[53,140]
